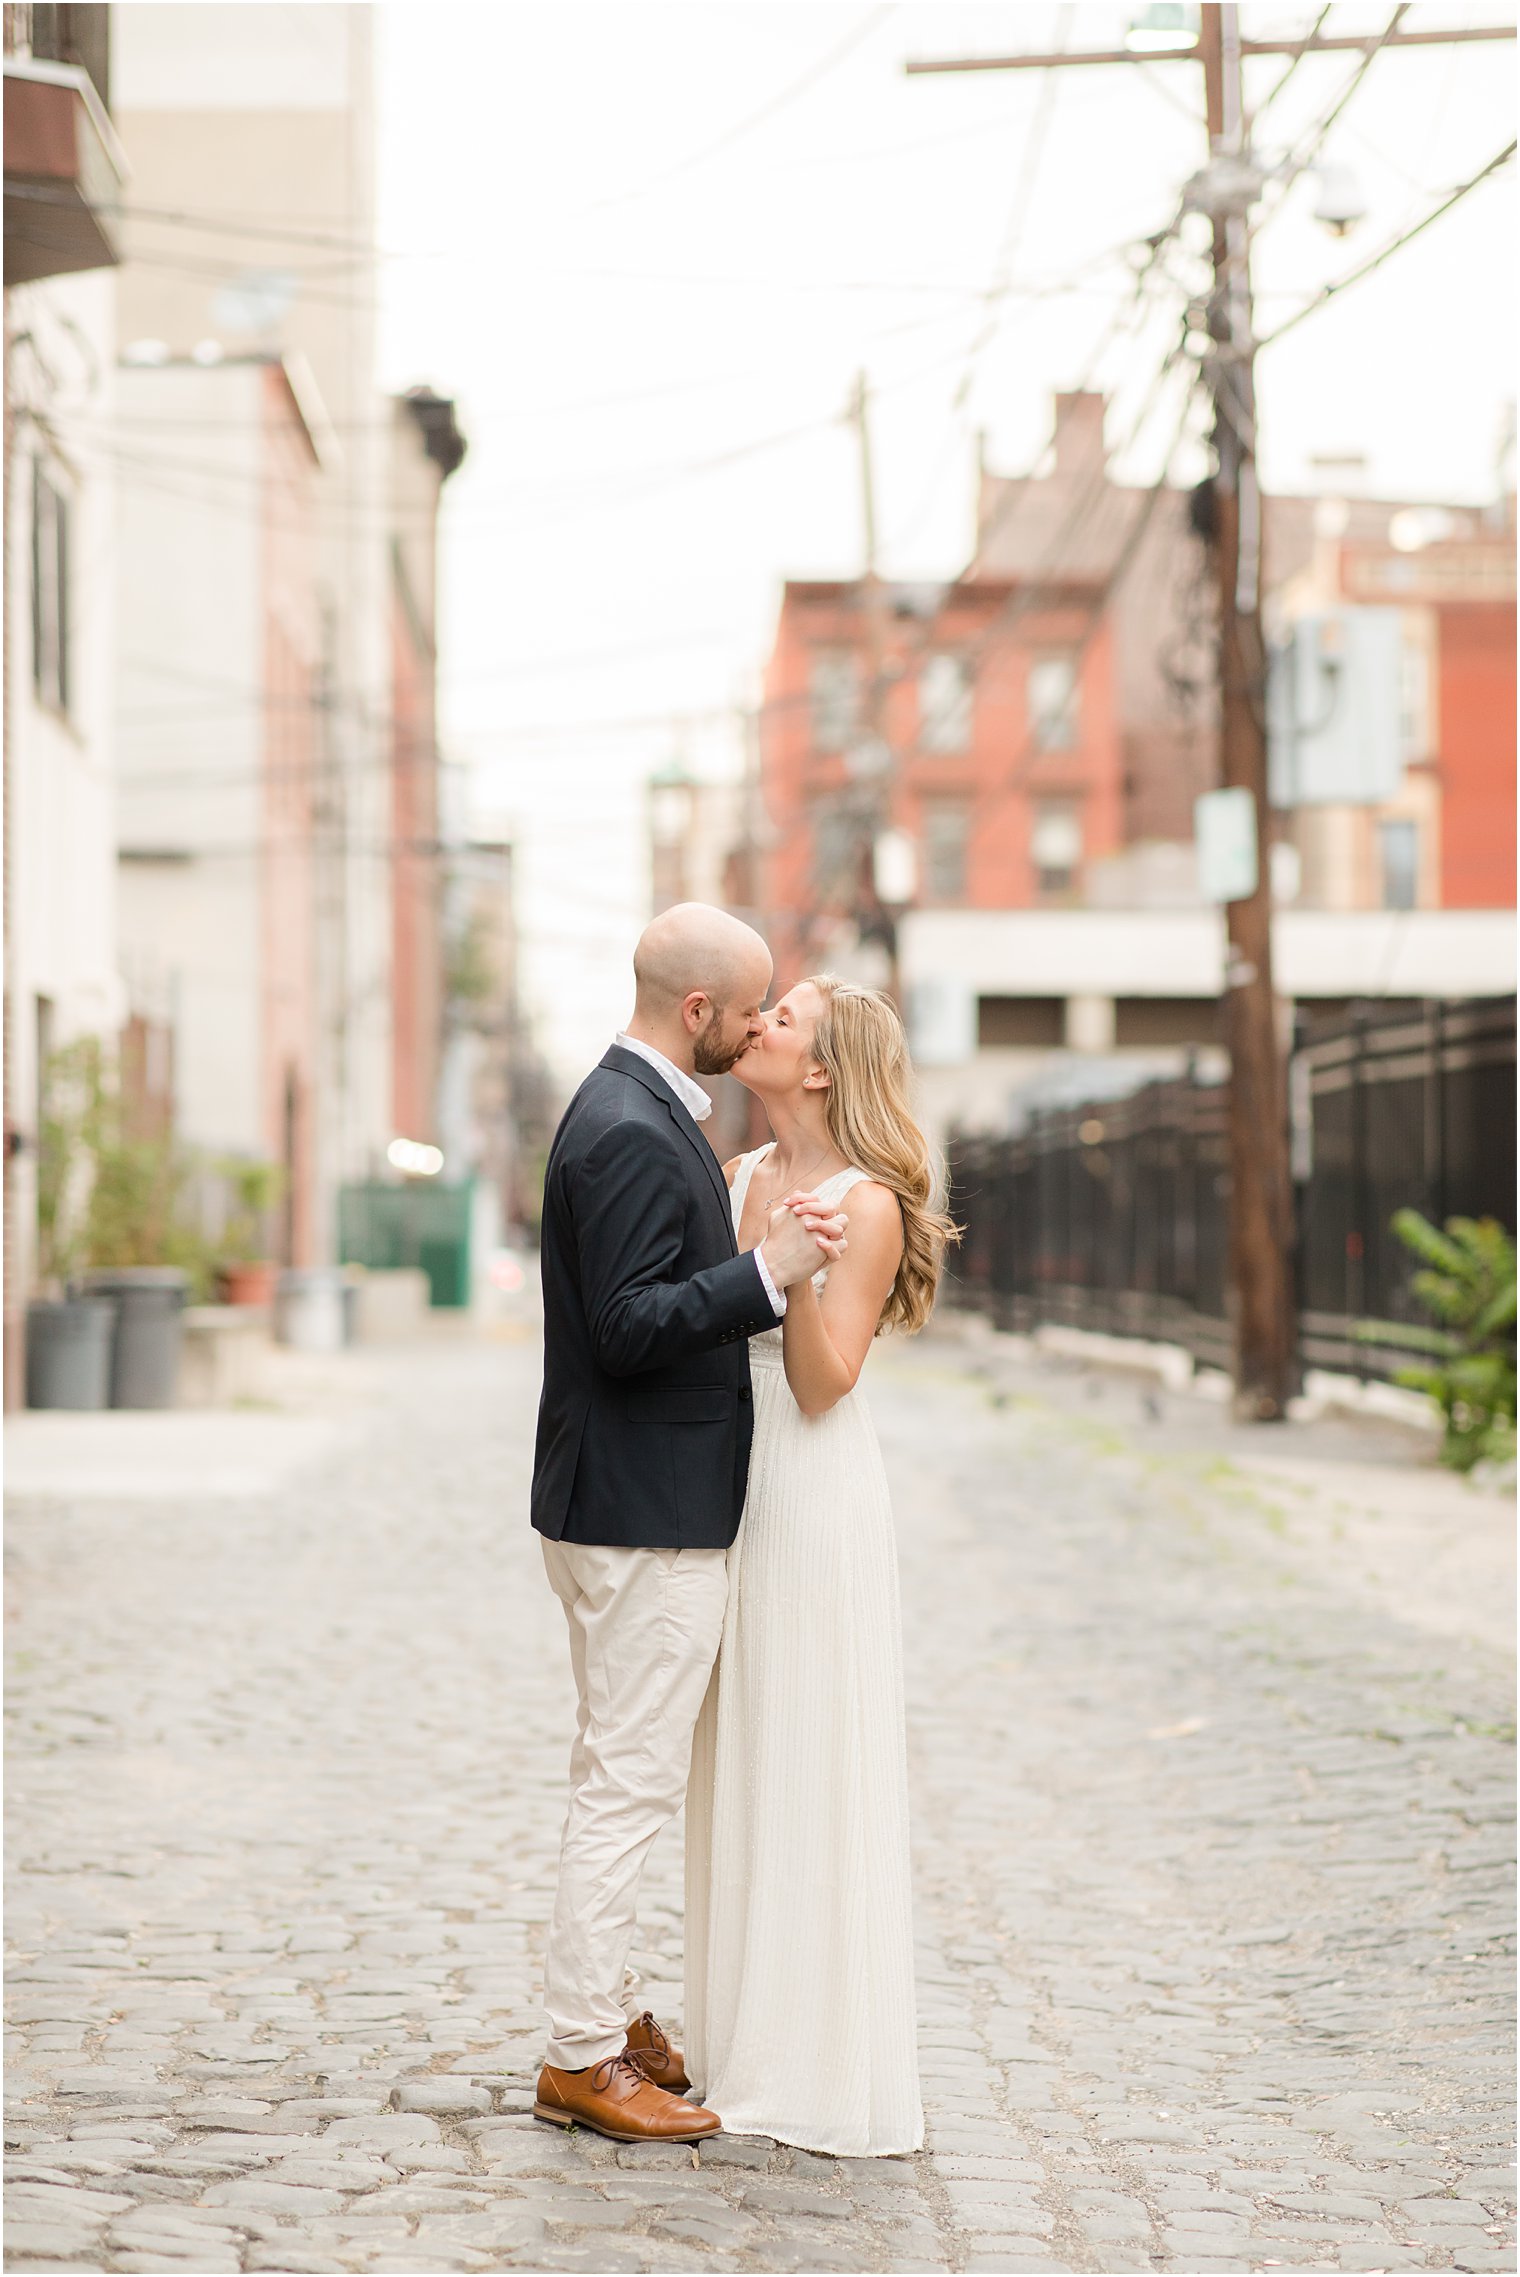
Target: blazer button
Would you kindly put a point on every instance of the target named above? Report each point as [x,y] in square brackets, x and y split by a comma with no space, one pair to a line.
[745,1392]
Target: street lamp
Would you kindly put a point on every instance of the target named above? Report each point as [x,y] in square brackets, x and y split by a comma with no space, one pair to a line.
[414,1158]
[1340,205]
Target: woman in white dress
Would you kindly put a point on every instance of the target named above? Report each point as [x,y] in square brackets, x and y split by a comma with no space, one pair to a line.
[800,2013]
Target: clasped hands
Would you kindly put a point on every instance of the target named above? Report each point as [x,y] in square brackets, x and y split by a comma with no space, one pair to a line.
[802,1233]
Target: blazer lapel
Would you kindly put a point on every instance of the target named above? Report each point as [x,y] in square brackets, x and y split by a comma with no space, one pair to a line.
[629,1063]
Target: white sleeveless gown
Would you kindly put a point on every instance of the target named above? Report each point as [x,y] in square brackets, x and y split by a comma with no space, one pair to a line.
[800,2011]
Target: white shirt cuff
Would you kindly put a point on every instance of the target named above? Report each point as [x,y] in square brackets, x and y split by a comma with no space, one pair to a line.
[777,1296]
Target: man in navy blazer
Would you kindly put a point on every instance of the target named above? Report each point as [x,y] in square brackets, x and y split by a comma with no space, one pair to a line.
[644,1432]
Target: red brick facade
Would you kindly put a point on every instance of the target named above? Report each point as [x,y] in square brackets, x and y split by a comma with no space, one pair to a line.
[1475,651]
[1002,762]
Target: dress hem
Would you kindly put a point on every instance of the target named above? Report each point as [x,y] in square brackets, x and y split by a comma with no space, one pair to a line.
[819,2150]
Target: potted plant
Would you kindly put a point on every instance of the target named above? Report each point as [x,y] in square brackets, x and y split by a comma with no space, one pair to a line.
[1468,1283]
[68,1335]
[122,1195]
[246,1274]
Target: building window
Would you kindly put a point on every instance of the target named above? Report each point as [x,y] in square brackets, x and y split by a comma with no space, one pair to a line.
[1055,846]
[834,697]
[947,826]
[50,590]
[1053,702]
[1149,1023]
[836,850]
[1414,700]
[944,704]
[1400,844]
[1029,1023]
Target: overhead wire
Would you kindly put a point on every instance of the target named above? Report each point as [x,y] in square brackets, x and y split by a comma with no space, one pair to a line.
[1295,60]
[745,126]
[1016,495]
[1305,153]
[1034,592]
[1048,95]
[1406,237]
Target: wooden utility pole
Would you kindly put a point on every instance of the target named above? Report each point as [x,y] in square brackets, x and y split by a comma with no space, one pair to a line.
[1261,1216]
[1261,1193]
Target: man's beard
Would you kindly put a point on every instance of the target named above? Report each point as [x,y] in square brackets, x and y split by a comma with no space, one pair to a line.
[711,1055]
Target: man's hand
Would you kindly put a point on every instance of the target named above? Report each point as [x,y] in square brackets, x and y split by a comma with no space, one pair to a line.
[803,1234]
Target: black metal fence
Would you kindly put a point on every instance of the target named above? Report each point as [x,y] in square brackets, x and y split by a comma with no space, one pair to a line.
[1113,1216]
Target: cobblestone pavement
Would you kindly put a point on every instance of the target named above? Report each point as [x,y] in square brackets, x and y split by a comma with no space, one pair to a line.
[1212,1856]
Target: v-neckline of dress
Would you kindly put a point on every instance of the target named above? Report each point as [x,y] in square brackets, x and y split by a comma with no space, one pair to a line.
[744,1177]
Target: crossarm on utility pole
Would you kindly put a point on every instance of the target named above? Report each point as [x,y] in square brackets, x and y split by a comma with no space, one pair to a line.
[1338,43]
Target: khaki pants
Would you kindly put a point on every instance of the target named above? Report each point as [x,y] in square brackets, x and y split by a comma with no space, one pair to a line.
[644,1632]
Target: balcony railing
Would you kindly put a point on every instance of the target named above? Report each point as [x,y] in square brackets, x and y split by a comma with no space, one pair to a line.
[64,171]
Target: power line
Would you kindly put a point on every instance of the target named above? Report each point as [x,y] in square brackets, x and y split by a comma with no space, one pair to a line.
[736,133]
[245,490]
[1365,268]
[1012,229]
[1294,61]
[1309,150]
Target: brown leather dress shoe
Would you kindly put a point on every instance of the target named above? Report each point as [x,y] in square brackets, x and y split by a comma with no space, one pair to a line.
[615,2098]
[659,2059]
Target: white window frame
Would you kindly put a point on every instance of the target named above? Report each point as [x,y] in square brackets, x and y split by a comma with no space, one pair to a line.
[946,689]
[1054,818]
[834,711]
[1053,723]
[51,579]
[933,893]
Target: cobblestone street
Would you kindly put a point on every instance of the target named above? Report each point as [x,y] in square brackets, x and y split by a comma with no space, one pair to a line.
[1213,1783]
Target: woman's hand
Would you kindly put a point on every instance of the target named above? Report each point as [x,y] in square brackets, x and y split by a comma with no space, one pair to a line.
[801,1233]
[826,1219]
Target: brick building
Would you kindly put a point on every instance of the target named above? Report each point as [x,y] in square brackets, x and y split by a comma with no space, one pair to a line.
[1036,734]
[1446,840]
[974,721]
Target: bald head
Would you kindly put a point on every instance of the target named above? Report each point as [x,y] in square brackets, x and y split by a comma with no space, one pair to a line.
[692,947]
[701,977]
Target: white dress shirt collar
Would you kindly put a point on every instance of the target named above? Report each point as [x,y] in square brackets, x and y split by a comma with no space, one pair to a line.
[692,1097]
[686,1087]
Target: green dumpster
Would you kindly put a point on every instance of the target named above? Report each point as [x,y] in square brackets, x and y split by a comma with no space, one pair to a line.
[424,1222]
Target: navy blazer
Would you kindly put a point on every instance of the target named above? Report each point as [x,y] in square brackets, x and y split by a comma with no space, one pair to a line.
[646,1418]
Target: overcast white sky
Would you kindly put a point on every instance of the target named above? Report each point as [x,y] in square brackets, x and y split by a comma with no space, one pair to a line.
[648,247]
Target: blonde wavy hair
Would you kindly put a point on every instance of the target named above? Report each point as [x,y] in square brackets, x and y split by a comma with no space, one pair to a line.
[859,1042]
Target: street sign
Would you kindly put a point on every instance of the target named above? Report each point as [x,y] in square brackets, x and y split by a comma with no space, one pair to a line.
[1224,832]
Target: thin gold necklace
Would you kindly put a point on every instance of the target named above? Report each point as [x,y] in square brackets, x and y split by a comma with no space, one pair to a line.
[788,1183]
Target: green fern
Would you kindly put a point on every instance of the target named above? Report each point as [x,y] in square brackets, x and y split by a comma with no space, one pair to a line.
[1467,1282]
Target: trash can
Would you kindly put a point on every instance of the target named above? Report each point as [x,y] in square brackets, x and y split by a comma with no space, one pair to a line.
[150,1331]
[308,1308]
[68,1352]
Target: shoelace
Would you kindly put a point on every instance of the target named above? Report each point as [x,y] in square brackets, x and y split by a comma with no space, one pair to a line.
[631,2059]
[658,2051]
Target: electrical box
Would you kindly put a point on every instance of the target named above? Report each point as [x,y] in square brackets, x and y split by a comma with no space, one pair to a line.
[1334,693]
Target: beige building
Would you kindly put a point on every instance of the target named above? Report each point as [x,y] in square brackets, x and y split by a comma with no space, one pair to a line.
[1007,1004]
[252,128]
[64,173]
[225,851]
